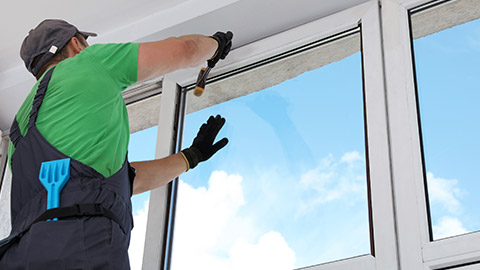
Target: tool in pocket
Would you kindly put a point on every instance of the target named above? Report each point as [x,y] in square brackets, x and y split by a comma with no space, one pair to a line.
[54,175]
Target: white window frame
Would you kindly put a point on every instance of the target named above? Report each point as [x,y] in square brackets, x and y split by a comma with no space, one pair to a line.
[5,186]
[4,139]
[400,225]
[416,251]
[159,203]
[368,15]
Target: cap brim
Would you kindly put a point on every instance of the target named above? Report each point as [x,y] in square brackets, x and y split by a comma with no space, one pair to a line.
[87,34]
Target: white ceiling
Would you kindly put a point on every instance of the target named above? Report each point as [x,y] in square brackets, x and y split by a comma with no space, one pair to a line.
[145,20]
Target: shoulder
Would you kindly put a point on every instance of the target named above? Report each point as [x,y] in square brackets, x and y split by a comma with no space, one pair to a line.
[114,62]
[112,48]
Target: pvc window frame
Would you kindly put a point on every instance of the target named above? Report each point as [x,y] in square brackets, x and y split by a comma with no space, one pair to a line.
[416,250]
[5,186]
[400,228]
[4,140]
[159,214]
[456,252]
[384,251]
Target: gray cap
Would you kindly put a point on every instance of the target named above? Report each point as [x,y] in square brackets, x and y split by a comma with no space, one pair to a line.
[49,37]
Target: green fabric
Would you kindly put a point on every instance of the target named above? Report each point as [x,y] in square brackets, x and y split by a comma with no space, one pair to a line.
[83,114]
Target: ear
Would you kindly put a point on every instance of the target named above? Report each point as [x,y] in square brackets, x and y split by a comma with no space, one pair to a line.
[77,46]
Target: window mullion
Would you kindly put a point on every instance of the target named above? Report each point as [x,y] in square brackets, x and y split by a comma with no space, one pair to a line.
[407,176]
[155,239]
[383,218]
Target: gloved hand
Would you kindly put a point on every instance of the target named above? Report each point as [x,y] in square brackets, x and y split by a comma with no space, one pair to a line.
[224,46]
[203,147]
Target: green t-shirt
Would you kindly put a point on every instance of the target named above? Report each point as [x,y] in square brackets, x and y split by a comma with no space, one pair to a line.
[83,114]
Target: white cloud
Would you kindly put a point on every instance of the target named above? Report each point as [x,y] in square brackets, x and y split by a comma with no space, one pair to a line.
[444,192]
[332,180]
[216,228]
[448,226]
[203,238]
[204,214]
[137,239]
[209,234]
[351,157]
[271,252]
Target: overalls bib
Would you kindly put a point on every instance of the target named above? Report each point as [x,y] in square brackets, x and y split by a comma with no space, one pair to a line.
[94,217]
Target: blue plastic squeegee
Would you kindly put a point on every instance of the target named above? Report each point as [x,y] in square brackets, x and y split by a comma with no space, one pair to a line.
[54,175]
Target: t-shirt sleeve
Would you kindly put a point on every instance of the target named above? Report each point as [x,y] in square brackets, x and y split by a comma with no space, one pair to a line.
[119,59]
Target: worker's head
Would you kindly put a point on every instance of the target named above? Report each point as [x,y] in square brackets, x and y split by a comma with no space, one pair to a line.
[51,42]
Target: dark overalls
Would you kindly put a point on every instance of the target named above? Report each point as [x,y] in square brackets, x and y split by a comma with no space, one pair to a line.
[94,217]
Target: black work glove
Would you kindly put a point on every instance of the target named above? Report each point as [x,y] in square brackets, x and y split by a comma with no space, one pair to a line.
[224,46]
[203,147]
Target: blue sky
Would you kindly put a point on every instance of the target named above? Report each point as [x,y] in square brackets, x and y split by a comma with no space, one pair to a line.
[291,182]
[449,94]
[278,137]
[276,150]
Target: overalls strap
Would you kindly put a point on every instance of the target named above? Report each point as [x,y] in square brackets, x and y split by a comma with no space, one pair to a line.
[37,101]
[15,134]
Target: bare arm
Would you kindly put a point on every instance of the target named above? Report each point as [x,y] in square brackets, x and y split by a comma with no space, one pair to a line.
[155,173]
[162,57]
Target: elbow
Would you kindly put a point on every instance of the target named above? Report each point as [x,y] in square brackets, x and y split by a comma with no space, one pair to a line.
[190,51]
[190,47]
[162,57]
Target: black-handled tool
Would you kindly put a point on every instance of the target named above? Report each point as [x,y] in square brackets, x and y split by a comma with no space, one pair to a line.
[201,80]
[225,43]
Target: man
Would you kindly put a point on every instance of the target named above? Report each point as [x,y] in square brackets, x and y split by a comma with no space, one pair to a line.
[74,121]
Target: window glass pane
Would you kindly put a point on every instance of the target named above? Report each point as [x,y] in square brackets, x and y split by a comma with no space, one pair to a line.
[141,147]
[448,85]
[289,190]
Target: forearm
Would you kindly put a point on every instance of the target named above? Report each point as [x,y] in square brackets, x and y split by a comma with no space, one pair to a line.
[162,57]
[155,173]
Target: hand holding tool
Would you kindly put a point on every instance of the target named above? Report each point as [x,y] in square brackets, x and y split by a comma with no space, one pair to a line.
[224,41]
[224,46]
